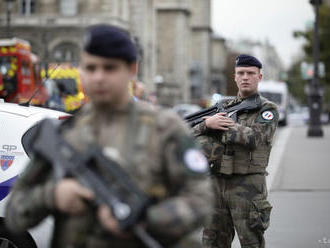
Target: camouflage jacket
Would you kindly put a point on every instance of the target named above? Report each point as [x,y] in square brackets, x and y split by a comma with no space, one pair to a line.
[244,148]
[158,153]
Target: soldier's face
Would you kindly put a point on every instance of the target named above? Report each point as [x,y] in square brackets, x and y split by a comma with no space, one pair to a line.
[247,79]
[106,80]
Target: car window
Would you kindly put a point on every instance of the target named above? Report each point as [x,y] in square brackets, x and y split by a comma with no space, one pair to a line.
[67,86]
[27,139]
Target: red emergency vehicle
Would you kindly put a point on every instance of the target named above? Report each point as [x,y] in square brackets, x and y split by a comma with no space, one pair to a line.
[19,75]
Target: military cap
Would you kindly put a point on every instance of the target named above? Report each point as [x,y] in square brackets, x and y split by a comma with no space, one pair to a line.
[109,42]
[244,60]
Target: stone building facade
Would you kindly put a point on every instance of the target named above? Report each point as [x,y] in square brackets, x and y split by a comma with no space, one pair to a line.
[219,64]
[174,37]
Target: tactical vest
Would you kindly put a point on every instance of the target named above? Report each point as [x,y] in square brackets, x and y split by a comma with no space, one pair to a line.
[138,144]
[235,159]
[238,159]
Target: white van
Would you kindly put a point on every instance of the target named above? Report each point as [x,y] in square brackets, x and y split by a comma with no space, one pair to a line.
[278,93]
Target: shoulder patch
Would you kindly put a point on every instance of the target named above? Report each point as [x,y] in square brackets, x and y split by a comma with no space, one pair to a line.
[195,161]
[268,115]
[189,155]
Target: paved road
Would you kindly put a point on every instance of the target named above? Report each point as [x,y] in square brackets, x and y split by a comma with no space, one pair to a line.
[299,183]
[301,193]
[299,219]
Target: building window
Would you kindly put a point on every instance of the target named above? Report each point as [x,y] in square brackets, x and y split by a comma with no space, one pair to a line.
[124,10]
[69,7]
[27,7]
[66,52]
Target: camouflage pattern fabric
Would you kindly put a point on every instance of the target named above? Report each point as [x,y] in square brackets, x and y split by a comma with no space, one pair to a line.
[159,154]
[210,142]
[242,206]
[238,159]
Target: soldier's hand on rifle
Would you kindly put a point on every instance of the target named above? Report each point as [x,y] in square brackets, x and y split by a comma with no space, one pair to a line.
[108,221]
[219,122]
[71,196]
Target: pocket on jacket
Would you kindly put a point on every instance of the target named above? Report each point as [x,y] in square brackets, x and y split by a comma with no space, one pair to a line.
[259,216]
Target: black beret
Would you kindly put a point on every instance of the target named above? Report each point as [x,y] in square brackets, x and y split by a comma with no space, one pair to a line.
[110,42]
[244,60]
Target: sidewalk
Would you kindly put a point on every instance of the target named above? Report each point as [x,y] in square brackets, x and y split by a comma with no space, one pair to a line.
[305,164]
[299,183]
[300,193]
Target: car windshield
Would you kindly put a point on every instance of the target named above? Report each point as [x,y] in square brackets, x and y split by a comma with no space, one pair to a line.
[8,66]
[8,71]
[67,86]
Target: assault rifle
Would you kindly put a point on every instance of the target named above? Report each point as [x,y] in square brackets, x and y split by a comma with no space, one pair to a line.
[248,104]
[104,176]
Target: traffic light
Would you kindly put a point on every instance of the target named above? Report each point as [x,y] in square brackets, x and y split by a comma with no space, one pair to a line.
[307,70]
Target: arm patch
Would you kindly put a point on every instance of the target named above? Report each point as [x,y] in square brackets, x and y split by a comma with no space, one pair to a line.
[267,116]
[191,157]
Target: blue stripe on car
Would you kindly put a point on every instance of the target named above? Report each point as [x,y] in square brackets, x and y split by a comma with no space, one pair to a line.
[5,187]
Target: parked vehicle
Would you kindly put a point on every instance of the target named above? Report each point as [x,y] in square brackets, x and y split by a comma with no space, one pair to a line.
[17,122]
[64,87]
[19,73]
[278,93]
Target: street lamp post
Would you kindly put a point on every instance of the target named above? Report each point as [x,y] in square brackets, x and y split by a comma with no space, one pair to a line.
[315,93]
[45,51]
[9,7]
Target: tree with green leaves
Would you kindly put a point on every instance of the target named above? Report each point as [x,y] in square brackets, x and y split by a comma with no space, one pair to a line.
[296,83]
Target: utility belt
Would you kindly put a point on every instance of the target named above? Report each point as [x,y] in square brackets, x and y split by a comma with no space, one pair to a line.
[241,162]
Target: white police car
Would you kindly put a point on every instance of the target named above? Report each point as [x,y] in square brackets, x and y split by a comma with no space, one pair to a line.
[16,123]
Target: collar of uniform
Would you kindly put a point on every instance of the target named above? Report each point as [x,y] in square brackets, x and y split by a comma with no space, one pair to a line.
[108,110]
[255,95]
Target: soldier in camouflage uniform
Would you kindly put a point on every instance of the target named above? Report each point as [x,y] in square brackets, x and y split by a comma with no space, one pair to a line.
[238,154]
[153,145]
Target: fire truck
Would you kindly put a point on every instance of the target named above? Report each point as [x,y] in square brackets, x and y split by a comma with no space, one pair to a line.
[19,73]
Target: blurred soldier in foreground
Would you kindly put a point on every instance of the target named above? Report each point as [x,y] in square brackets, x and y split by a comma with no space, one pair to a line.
[153,146]
[238,154]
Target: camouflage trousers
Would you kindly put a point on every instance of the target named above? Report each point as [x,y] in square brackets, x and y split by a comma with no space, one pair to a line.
[242,206]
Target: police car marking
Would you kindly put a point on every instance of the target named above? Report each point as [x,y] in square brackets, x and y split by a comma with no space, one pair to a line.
[9,148]
[5,187]
[195,161]
[267,115]
[6,161]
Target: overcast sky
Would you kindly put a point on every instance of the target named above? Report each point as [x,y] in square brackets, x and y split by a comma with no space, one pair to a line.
[274,20]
